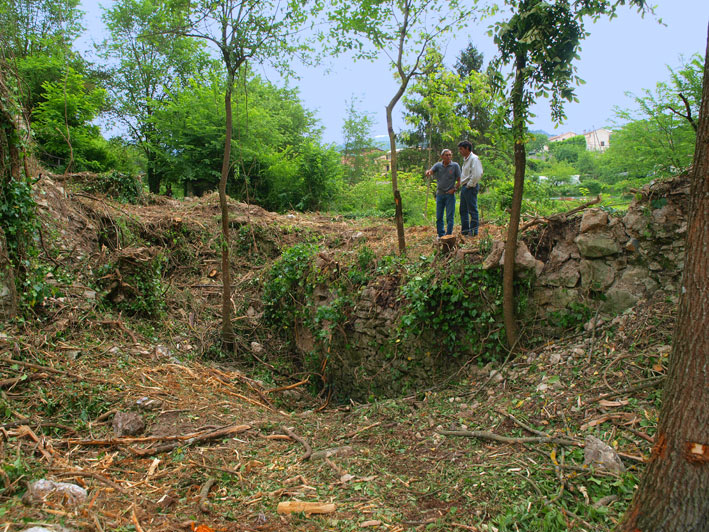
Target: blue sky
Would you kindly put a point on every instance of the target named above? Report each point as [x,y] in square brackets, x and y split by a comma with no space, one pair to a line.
[628,53]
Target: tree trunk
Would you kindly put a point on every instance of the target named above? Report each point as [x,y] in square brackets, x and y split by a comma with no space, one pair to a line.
[227,327]
[152,174]
[674,491]
[399,213]
[518,129]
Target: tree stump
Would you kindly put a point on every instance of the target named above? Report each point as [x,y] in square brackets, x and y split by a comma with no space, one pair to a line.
[448,243]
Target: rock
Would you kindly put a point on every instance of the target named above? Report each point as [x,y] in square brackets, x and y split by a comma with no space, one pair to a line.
[632,245]
[563,251]
[555,298]
[567,276]
[496,376]
[493,258]
[127,424]
[602,456]
[596,274]
[555,358]
[345,450]
[256,348]
[634,284]
[146,403]
[524,260]
[64,493]
[578,352]
[599,244]
[593,219]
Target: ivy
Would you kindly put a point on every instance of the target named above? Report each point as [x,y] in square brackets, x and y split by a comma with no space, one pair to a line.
[19,221]
[287,286]
[459,305]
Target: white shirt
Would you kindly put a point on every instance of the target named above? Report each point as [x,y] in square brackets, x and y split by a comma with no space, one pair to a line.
[472,171]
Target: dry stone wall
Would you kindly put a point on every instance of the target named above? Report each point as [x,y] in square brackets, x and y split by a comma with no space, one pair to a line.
[8,295]
[595,259]
[618,261]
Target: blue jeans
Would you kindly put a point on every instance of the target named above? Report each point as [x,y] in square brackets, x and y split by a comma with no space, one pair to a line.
[445,202]
[469,210]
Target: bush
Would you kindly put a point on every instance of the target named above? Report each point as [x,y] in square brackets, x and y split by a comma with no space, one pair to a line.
[125,188]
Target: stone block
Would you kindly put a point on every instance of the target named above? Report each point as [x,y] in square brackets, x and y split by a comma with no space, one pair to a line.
[598,244]
[596,274]
[593,219]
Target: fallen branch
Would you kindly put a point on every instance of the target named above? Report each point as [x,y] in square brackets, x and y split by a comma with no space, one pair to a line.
[204,494]
[11,383]
[523,425]
[648,383]
[485,435]
[228,431]
[356,432]
[94,476]
[308,449]
[559,217]
[134,519]
[289,387]
[12,361]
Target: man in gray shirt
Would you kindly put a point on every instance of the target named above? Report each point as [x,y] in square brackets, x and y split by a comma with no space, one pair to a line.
[447,174]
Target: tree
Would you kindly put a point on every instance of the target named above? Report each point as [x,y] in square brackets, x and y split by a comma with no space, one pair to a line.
[33,27]
[403,30]
[432,105]
[358,141]
[241,31]
[151,64]
[674,490]
[476,111]
[657,137]
[63,123]
[540,40]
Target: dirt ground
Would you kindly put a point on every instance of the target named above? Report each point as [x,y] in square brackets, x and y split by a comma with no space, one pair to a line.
[227,440]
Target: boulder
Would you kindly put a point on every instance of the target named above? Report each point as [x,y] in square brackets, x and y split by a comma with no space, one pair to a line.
[127,424]
[64,493]
[601,456]
[596,275]
[634,283]
[597,244]
[555,298]
[567,276]
[524,260]
[493,258]
[593,219]
[563,251]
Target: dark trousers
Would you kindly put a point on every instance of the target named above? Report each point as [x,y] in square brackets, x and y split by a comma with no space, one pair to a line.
[469,210]
[445,202]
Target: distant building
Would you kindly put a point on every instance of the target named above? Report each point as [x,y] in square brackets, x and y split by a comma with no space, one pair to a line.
[563,136]
[598,139]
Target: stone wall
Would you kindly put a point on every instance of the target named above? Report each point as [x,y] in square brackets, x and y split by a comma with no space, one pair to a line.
[366,359]
[618,261]
[8,294]
[594,258]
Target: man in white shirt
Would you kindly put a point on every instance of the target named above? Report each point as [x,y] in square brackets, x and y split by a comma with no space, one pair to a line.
[471,173]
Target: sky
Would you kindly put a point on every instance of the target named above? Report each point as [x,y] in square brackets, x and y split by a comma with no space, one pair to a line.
[627,54]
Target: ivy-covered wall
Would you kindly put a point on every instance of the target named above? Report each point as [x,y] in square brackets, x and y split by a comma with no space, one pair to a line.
[373,328]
